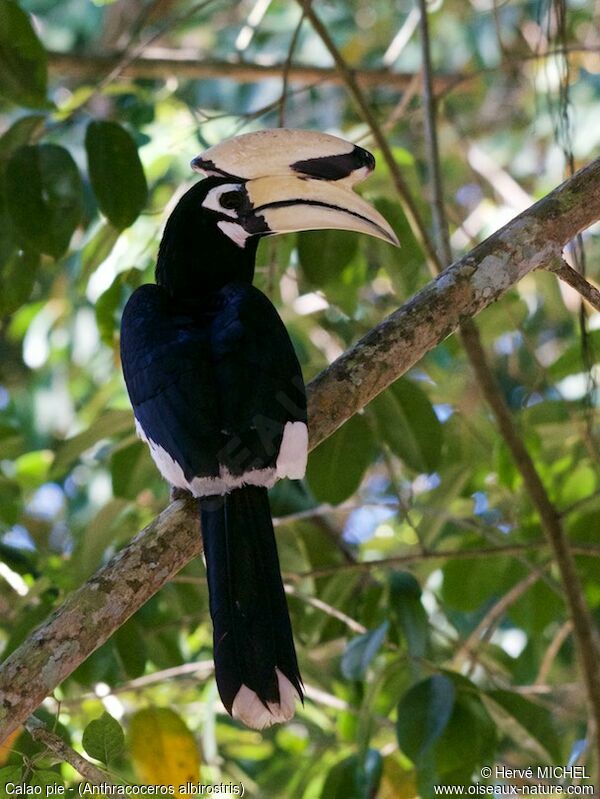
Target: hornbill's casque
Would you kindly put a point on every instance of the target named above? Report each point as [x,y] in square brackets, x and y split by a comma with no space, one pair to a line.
[217,390]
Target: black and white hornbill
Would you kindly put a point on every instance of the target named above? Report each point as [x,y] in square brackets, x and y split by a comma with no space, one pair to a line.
[217,390]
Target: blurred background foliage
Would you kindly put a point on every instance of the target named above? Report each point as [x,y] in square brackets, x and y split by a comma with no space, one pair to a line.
[442,654]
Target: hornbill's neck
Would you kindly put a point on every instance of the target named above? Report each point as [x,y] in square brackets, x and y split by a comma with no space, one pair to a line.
[195,257]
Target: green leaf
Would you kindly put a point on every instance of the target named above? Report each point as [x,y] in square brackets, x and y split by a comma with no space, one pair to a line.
[571,361]
[336,466]
[533,719]
[468,583]
[97,249]
[116,172]
[131,648]
[18,274]
[409,425]
[46,779]
[100,535]
[352,779]
[103,738]
[45,197]
[423,714]
[345,290]
[20,132]
[406,607]
[8,774]
[405,266]
[31,468]
[131,468]
[23,60]
[111,423]
[10,500]
[469,739]
[324,254]
[108,304]
[361,651]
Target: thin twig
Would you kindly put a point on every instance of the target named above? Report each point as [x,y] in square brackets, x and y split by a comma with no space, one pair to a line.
[328,609]
[285,74]
[40,733]
[589,550]
[485,629]
[577,281]
[160,63]
[564,631]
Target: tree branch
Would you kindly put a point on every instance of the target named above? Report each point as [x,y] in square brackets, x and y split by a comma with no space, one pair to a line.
[40,733]
[159,63]
[577,281]
[92,613]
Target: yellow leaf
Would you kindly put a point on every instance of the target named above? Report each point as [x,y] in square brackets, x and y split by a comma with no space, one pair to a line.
[163,749]
[396,782]
[7,744]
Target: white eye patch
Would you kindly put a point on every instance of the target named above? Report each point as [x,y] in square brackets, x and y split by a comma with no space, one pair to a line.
[212,200]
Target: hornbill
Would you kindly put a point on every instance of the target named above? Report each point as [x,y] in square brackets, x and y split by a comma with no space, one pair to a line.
[217,390]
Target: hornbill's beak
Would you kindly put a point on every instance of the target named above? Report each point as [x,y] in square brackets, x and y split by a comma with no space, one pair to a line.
[297,180]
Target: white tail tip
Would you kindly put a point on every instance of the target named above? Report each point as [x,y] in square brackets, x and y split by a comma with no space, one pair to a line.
[248,708]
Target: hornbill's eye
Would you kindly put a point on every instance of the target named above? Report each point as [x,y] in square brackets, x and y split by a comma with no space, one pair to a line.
[231,200]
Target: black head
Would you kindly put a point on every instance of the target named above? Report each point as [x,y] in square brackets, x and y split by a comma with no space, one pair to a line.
[287,181]
[210,239]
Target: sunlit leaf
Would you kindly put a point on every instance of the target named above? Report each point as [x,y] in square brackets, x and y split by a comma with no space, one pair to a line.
[571,361]
[46,780]
[98,249]
[109,303]
[110,423]
[103,739]
[31,469]
[9,774]
[163,750]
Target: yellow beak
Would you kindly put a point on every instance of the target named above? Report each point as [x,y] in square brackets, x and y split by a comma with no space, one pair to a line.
[297,180]
[289,204]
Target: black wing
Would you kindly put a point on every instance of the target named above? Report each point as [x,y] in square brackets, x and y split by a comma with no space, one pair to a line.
[212,383]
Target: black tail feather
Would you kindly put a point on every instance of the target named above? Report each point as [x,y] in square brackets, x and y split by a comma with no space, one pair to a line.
[251,626]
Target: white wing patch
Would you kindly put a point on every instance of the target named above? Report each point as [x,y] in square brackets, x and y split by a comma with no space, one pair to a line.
[204,486]
[293,453]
